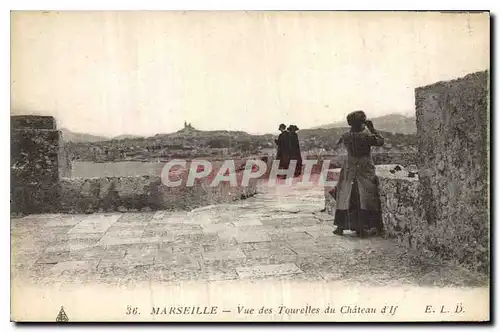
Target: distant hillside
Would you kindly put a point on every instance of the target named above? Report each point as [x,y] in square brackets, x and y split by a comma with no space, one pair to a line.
[69,136]
[192,143]
[393,123]
[312,139]
[126,137]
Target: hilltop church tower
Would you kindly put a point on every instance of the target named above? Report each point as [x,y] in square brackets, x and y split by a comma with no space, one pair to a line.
[187,127]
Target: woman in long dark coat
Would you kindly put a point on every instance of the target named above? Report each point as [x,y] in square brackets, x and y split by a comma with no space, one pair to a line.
[358,202]
[283,143]
[295,149]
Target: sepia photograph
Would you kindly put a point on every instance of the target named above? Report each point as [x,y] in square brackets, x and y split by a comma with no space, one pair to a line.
[250,166]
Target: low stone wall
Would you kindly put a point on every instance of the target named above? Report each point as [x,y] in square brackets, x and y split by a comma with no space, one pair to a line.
[144,193]
[404,214]
[402,210]
[381,159]
[33,122]
[400,158]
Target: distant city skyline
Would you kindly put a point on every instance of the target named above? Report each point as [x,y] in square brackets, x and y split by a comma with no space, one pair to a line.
[144,73]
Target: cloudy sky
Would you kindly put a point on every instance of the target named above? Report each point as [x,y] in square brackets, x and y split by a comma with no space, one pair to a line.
[112,73]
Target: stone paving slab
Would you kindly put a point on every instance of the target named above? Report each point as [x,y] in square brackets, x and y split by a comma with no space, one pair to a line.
[247,222]
[320,233]
[75,266]
[226,245]
[95,224]
[178,262]
[283,255]
[172,230]
[252,237]
[65,221]
[218,228]
[122,232]
[270,245]
[219,276]
[140,218]
[126,262]
[99,252]
[111,240]
[60,256]
[224,255]
[70,245]
[129,225]
[166,217]
[81,236]
[267,270]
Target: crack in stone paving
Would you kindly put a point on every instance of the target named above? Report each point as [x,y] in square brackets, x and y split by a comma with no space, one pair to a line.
[286,211]
[220,242]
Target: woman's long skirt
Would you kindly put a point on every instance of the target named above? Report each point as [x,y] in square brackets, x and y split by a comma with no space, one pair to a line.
[355,218]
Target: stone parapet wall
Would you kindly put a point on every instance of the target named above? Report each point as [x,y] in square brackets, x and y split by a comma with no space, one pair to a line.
[144,193]
[33,122]
[404,217]
[453,143]
[386,158]
[402,158]
[402,210]
[34,165]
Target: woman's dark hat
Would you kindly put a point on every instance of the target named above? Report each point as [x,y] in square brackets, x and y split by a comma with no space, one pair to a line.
[293,128]
[356,117]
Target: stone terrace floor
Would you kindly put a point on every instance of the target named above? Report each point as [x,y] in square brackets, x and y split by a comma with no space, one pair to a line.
[278,234]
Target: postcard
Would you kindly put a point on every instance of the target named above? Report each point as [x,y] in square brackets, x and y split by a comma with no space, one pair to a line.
[250,166]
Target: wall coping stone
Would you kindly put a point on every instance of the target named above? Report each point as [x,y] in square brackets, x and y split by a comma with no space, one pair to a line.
[37,122]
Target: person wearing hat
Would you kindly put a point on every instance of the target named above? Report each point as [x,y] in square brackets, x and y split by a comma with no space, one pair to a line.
[283,143]
[358,201]
[295,149]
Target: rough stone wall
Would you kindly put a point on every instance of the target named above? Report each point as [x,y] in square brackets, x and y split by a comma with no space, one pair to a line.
[452,129]
[144,193]
[64,160]
[33,122]
[402,210]
[34,164]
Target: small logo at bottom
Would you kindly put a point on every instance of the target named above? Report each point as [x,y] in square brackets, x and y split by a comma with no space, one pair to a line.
[62,317]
